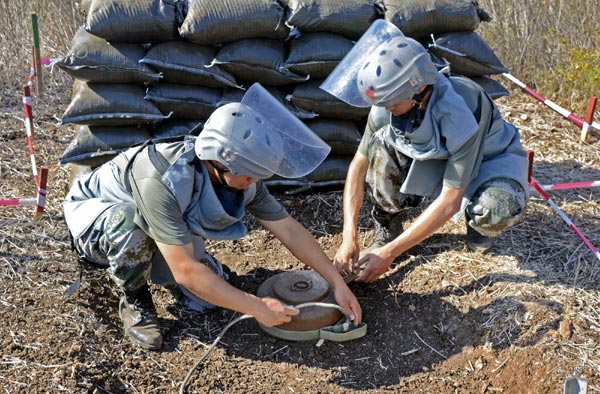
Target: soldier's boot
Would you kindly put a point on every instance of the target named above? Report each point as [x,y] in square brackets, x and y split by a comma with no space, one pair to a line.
[140,321]
[478,242]
[387,227]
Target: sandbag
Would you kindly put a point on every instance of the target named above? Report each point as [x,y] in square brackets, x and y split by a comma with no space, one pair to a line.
[171,130]
[93,146]
[184,101]
[97,104]
[467,54]
[310,97]
[235,96]
[316,54]
[142,21]
[93,59]
[420,18]
[333,168]
[350,18]
[257,60]
[210,22]
[493,88]
[331,174]
[341,135]
[185,63]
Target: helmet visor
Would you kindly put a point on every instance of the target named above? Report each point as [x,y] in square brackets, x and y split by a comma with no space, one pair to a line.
[282,144]
[342,81]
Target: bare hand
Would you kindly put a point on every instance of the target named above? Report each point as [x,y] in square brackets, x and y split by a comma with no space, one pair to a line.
[376,263]
[346,257]
[347,300]
[274,312]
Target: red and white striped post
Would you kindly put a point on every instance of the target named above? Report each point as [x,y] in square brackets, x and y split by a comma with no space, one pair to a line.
[565,218]
[41,193]
[564,112]
[589,117]
[39,202]
[28,120]
[571,185]
[18,202]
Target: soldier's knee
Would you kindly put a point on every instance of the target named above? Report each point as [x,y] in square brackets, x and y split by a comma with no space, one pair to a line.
[497,205]
[120,219]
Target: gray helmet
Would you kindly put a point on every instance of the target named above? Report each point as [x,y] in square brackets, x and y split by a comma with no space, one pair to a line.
[254,152]
[382,68]
[395,71]
[259,137]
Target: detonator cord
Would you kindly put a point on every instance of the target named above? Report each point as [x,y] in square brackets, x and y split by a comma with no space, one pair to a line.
[243,317]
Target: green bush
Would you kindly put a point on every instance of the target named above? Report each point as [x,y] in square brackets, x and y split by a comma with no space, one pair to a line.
[551,45]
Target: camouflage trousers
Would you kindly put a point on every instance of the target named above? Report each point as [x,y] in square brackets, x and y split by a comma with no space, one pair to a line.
[496,205]
[131,257]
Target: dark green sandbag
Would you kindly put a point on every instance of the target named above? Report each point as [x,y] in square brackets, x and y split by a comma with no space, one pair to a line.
[257,60]
[310,97]
[420,18]
[93,59]
[185,63]
[142,21]
[171,130]
[350,18]
[93,146]
[316,54]
[210,22]
[493,88]
[333,168]
[184,101]
[468,54]
[231,95]
[342,135]
[97,104]
[330,174]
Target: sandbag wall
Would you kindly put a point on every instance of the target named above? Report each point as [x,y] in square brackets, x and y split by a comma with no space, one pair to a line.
[156,69]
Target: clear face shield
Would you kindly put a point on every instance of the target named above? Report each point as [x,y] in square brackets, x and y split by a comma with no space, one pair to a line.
[268,135]
[342,82]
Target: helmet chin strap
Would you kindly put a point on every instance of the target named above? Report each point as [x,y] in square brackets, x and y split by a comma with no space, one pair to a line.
[419,97]
[412,119]
[221,174]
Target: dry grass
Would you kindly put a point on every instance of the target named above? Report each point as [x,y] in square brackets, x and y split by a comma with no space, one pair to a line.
[540,289]
[544,42]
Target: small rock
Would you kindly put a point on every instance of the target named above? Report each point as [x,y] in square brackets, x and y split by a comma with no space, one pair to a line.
[564,328]
[479,363]
[524,117]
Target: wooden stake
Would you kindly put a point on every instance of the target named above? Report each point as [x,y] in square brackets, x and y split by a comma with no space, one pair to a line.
[41,195]
[37,59]
[530,160]
[589,118]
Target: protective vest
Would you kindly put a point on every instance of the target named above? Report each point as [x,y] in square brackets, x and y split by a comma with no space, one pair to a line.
[457,110]
[176,165]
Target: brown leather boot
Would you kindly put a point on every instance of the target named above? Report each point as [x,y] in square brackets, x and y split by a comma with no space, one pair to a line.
[478,242]
[140,322]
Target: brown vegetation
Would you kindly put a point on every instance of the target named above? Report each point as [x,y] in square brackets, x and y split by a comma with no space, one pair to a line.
[517,320]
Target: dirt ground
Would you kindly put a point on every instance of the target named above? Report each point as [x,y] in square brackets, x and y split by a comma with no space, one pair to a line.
[519,319]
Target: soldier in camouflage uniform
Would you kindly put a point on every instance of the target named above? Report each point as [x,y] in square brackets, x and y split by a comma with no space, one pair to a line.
[428,134]
[145,214]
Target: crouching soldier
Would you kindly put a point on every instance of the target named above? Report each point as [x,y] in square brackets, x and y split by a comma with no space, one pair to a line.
[145,214]
[428,134]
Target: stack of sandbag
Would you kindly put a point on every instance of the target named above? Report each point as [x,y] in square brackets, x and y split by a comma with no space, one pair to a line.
[447,28]
[157,69]
[130,85]
[290,47]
